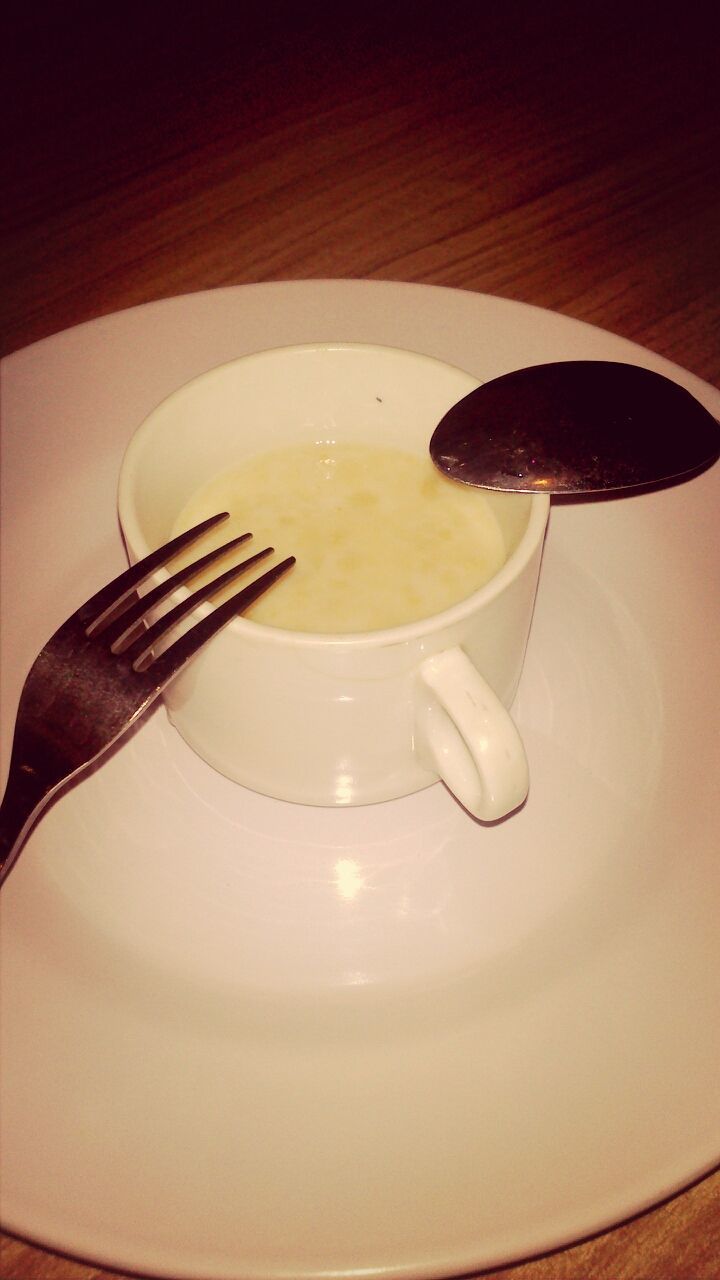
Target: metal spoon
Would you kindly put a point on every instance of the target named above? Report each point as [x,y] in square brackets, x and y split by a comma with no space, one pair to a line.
[577,426]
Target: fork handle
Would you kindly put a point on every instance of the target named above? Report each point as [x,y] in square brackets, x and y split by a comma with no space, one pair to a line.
[26,795]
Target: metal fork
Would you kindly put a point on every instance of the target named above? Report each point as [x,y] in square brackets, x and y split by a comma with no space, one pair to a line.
[100,672]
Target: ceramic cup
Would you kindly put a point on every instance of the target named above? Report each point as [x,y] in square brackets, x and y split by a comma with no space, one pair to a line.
[341,719]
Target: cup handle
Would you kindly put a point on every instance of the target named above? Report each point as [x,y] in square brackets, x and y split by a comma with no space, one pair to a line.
[471,738]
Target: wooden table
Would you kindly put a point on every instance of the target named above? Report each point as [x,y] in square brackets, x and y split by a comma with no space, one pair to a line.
[516,149]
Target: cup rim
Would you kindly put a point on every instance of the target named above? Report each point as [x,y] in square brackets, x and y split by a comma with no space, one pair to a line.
[136,544]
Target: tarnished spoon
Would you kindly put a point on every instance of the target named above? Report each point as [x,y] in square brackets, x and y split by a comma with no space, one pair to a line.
[577,426]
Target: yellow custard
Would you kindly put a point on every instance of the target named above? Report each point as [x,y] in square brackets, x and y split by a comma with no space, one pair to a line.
[381,537]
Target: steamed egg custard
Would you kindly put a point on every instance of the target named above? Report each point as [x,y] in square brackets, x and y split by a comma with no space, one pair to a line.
[381,538]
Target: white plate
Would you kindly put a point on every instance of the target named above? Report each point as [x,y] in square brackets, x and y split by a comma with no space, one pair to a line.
[247,1038]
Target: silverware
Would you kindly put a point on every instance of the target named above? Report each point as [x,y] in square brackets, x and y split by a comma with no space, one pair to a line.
[576,426]
[100,672]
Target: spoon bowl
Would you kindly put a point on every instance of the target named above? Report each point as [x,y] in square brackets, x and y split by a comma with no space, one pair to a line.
[576,426]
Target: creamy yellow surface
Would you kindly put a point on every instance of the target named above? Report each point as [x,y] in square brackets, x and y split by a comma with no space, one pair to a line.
[381,538]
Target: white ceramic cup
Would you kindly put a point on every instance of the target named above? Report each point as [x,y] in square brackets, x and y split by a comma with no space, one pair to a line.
[341,719]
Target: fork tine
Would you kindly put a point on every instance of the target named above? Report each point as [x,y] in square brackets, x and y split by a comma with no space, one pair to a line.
[114,630]
[136,650]
[169,663]
[94,610]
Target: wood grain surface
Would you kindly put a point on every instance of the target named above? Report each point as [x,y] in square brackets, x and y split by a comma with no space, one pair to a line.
[565,155]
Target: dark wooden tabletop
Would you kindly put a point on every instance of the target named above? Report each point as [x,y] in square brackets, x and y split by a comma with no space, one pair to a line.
[561,154]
